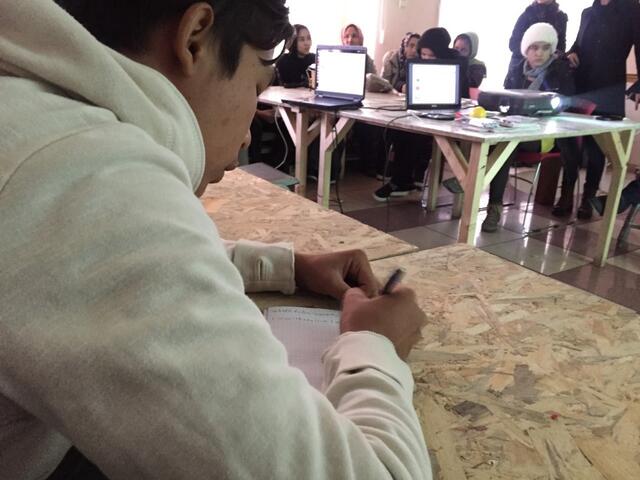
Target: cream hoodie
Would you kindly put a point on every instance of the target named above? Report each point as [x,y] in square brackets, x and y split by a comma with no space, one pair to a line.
[124,325]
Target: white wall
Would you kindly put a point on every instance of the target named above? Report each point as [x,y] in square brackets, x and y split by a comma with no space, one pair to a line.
[401,16]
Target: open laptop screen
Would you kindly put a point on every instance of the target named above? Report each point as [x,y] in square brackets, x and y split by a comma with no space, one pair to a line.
[341,71]
[433,84]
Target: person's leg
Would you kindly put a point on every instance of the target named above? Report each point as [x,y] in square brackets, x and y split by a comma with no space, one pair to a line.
[371,147]
[408,148]
[496,192]
[595,169]
[424,146]
[499,185]
[571,159]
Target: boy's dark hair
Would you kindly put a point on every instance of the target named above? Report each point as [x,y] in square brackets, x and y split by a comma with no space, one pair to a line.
[124,25]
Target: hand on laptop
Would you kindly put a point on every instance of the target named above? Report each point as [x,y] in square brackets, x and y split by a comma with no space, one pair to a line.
[333,274]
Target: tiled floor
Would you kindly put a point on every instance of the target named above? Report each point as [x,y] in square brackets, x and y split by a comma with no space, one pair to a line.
[562,249]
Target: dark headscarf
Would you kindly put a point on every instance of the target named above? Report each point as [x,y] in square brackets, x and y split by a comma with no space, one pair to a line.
[402,53]
[437,40]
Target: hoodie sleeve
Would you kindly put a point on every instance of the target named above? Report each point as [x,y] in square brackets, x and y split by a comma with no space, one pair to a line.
[263,267]
[125,328]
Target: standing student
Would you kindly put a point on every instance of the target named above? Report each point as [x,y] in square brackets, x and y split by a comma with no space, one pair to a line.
[413,151]
[352,36]
[540,11]
[395,62]
[543,70]
[125,328]
[467,45]
[292,67]
[608,30]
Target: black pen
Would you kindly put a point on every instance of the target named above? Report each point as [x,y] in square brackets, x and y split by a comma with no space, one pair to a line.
[395,278]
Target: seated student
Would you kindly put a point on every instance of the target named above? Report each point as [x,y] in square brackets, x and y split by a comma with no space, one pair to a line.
[540,11]
[352,35]
[413,151]
[125,328]
[394,70]
[292,67]
[541,69]
[467,44]
[291,71]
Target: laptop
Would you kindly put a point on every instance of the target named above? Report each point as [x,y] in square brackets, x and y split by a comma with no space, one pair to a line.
[433,88]
[340,79]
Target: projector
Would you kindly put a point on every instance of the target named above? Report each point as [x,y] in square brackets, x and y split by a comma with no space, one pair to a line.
[523,102]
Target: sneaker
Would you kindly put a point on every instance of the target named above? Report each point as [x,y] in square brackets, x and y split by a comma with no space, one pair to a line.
[391,190]
[490,224]
[382,178]
[585,210]
[563,208]
[418,184]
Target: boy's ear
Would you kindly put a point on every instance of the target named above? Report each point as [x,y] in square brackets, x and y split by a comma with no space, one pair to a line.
[192,43]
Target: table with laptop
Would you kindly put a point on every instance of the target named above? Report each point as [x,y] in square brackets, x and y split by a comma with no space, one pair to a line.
[475,149]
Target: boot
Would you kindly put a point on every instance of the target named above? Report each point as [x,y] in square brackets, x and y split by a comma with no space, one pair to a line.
[585,210]
[564,207]
[494,212]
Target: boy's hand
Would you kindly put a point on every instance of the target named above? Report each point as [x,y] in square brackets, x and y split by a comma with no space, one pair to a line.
[334,273]
[396,316]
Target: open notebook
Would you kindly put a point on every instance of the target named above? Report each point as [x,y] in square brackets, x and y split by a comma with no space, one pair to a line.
[306,333]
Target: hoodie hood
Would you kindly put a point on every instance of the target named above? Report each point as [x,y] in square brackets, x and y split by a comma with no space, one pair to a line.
[42,42]
[473,40]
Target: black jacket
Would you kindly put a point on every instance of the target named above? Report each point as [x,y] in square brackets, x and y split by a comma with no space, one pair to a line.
[559,78]
[291,70]
[536,13]
[603,45]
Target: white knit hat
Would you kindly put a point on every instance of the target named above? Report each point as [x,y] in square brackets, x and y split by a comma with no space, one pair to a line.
[539,32]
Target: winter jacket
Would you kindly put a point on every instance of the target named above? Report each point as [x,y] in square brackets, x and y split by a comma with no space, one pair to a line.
[604,42]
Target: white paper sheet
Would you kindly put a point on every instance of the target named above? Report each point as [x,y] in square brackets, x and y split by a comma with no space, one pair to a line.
[306,333]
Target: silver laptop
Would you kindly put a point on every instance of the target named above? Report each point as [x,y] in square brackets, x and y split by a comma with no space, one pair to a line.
[340,79]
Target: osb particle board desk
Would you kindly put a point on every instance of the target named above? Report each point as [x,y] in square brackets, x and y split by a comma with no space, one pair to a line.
[246,207]
[518,376]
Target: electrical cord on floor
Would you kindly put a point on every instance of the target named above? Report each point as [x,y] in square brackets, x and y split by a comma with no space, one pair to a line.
[334,131]
[284,141]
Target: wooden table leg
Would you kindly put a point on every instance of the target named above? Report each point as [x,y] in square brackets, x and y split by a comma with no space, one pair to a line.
[617,147]
[302,133]
[434,177]
[332,132]
[473,187]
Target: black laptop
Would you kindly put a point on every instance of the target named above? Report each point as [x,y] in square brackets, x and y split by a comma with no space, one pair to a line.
[340,79]
[433,88]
